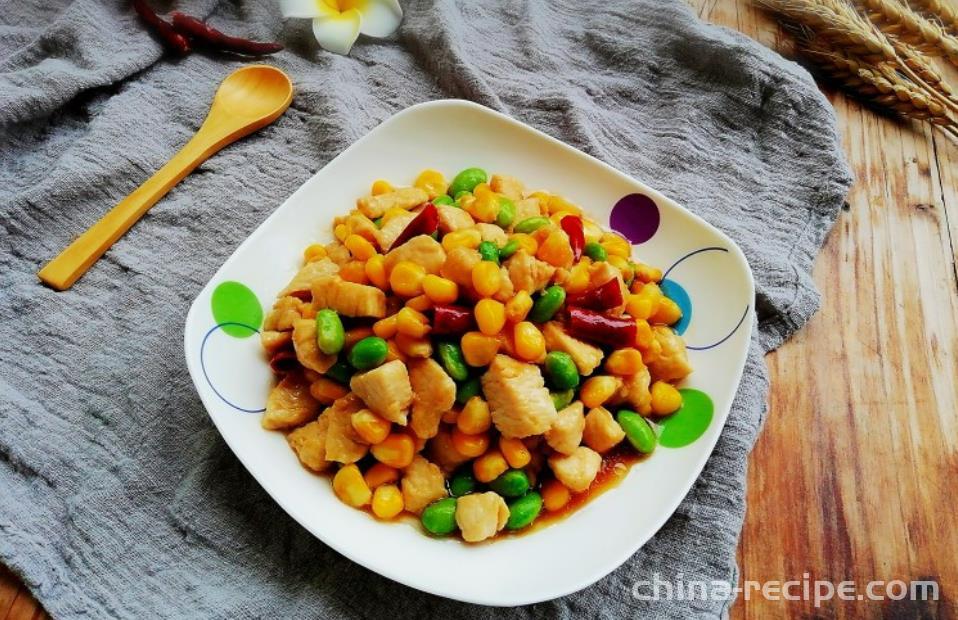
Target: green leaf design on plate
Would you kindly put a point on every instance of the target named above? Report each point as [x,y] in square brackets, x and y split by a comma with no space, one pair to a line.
[689,422]
[234,302]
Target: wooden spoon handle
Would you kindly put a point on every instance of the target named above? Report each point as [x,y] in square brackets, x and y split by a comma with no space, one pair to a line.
[72,262]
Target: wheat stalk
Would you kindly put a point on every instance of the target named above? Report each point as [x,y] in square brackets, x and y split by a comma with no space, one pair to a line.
[939,10]
[903,24]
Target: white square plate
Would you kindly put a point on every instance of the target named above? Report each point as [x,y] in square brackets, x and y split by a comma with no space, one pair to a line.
[707,275]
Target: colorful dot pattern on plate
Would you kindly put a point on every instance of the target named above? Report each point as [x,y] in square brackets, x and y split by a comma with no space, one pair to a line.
[689,422]
[236,308]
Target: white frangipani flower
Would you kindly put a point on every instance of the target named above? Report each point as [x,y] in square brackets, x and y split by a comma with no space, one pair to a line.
[337,23]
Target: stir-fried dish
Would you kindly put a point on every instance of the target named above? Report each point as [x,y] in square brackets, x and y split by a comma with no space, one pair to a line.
[470,353]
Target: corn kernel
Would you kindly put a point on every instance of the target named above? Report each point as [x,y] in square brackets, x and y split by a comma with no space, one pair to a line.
[643,334]
[354,335]
[646,273]
[624,362]
[474,417]
[639,307]
[385,328]
[419,303]
[469,445]
[387,501]
[376,271]
[486,278]
[350,488]
[314,253]
[341,231]
[326,391]
[450,417]
[406,278]
[556,249]
[556,204]
[599,389]
[413,347]
[440,290]
[393,352]
[394,212]
[526,242]
[515,452]
[624,267]
[490,316]
[653,351]
[616,245]
[651,292]
[479,349]
[412,323]
[354,271]
[667,313]
[381,186]
[518,307]
[555,495]
[467,238]
[359,247]
[579,280]
[371,427]
[529,343]
[432,182]
[397,450]
[489,466]
[481,190]
[485,208]
[665,398]
[380,474]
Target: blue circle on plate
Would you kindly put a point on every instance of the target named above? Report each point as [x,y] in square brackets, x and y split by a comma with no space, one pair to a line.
[206,375]
[674,291]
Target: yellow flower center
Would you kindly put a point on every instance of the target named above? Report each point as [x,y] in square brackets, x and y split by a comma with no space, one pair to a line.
[344,5]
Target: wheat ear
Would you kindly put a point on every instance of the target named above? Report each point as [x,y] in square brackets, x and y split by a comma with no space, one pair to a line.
[900,22]
[940,10]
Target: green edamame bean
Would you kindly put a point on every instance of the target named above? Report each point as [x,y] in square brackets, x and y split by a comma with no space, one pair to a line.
[510,248]
[511,483]
[445,199]
[452,360]
[548,304]
[631,274]
[330,335]
[462,483]
[531,224]
[595,251]
[439,517]
[562,399]
[523,511]
[378,222]
[507,212]
[637,431]
[467,389]
[488,251]
[561,371]
[341,372]
[368,353]
[467,180]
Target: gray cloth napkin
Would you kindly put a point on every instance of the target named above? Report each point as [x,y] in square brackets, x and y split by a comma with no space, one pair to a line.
[117,496]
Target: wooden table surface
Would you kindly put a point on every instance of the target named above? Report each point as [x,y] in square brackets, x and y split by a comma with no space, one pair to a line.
[851,477]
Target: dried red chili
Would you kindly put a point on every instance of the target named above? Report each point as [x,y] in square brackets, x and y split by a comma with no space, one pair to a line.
[598,327]
[426,222]
[200,31]
[168,35]
[450,319]
[572,225]
[604,297]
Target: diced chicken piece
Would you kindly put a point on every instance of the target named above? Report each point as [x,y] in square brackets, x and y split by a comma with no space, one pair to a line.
[565,434]
[285,312]
[422,250]
[508,186]
[492,232]
[302,283]
[635,391]
[403,198]
[309,444]
[338,253]
[385,390]
[506,290]
[348,298]
[361,225]
[290,404]
[274,341]
[672,363]
[577,470]
[526,208]
[602,432]
[459,264]
[434,394]
[586,357]
[452,219]
[518,399]
[422,484]
[480,515]
[343,443]
[528,273]
[392,228]
[442,451]
[307,348]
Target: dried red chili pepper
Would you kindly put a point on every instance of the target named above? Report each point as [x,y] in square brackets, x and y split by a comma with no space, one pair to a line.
[604,297]
[426,222]
[450,319]
[200,31]
[170,37]
[604,328]
[572,225]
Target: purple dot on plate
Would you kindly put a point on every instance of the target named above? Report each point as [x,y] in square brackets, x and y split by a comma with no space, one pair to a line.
[636,217]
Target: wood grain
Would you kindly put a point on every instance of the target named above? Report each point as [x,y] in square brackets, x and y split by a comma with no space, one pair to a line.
[853,475]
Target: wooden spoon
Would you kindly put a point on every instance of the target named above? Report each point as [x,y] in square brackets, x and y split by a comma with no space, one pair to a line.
[248,99]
